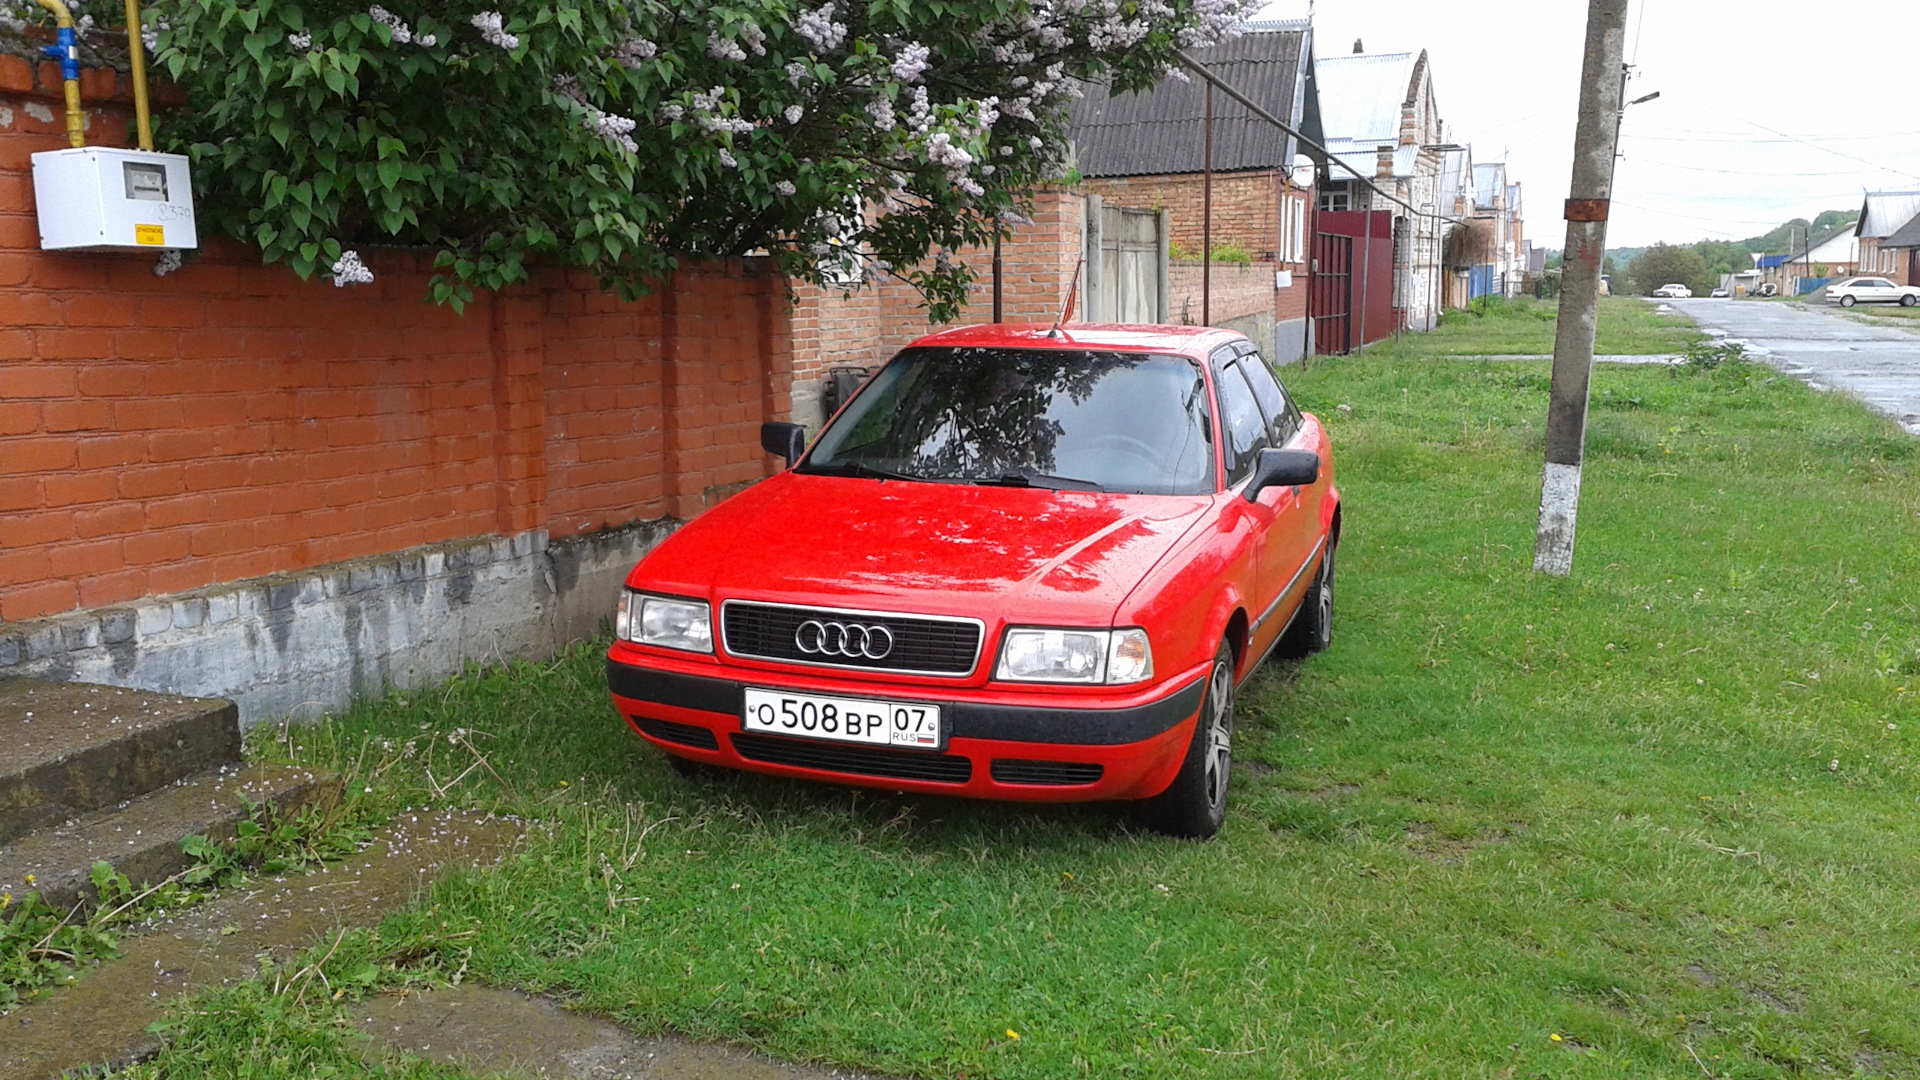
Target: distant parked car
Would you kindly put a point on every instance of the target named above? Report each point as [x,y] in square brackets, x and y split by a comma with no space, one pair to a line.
[1719,294]
[1872,290]
[1767,288]
[1673,292]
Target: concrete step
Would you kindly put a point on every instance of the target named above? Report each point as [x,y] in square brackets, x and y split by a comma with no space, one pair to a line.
[68,749]
[141,837]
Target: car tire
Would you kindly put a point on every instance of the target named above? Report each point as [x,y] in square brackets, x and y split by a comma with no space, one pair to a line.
[1909,300]
[1311,630]
[1195,804]
[1848,301]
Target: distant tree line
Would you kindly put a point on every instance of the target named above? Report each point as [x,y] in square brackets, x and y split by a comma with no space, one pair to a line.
[1699,265]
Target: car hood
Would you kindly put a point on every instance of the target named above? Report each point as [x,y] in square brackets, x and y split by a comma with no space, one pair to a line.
[938,549]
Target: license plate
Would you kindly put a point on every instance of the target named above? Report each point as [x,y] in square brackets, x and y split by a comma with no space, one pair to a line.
[838,719]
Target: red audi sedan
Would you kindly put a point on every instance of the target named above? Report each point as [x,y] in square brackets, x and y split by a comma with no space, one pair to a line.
[1021,563]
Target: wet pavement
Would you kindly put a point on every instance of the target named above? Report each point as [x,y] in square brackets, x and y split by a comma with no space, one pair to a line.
[1875,361]
[500,1033]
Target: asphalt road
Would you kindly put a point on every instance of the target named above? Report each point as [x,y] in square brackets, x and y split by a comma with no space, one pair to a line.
[1878,364]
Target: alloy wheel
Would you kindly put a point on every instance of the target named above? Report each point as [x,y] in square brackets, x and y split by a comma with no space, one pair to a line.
[1219,748]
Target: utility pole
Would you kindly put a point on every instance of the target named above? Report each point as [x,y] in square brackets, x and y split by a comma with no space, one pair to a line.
[1596,140]
[1206,221]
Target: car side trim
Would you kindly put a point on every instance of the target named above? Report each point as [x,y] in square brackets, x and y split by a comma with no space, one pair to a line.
[1291,582]
[965,719]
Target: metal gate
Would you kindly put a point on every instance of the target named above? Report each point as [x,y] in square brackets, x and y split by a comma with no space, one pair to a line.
[1331,300]
[1126,264]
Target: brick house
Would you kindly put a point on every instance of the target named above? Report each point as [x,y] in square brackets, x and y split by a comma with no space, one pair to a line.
[1884,214]
[1381,120]
[1148,150]
[1905,247]
[1499,265]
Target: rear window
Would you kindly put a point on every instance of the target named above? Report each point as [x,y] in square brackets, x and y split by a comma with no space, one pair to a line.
[1073,420]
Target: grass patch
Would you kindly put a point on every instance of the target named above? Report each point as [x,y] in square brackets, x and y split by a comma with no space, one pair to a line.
[1657,819]
[1524,327]
[41,946]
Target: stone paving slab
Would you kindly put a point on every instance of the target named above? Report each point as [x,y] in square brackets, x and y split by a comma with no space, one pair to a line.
[102,1018]
[517,1037]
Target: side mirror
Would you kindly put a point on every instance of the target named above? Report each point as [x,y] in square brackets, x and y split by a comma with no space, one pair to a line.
[1282,468]
[783,440]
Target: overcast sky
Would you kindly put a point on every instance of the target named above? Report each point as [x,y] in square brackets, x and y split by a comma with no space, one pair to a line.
[1768,111]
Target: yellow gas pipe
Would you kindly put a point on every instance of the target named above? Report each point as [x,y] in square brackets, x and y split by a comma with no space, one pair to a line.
[137,49]
[67,51]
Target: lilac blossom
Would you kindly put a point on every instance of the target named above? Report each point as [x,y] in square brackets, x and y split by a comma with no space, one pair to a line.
[941,151]
[796,71]
[793,113]
[818,27]
[634,52]
[912,63]
[881,110]
[349,270]
[493,29]
[721,47]
[727,159]
[302,40]
[167,263]
[399,32]
[787,189]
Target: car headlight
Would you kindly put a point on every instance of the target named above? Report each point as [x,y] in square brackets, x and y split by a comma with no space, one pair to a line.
[664,621]
[1075,656]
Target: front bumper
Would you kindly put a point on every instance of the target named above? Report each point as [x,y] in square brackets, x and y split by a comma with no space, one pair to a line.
[1026,746]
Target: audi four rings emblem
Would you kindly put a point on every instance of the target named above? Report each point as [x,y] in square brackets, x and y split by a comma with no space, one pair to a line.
[851,640]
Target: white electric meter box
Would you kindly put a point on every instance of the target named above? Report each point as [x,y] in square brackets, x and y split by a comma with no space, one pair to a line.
[106,198]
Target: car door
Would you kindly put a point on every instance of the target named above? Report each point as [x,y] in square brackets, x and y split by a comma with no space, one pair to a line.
[1295,531]
[1244,433]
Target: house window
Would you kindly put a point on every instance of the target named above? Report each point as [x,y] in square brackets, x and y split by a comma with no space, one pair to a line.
[1337,197]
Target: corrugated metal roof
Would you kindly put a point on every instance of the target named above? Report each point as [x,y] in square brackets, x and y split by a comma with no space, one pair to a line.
[1907,236]
[1162,132]
[1489,181]
[1361,95]
[1886,212]
[1768,262]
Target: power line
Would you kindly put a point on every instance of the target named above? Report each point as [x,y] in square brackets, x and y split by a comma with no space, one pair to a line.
[1795,138]
[1732,172]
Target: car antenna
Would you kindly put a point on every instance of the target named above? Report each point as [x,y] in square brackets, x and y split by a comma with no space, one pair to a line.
[1067,308]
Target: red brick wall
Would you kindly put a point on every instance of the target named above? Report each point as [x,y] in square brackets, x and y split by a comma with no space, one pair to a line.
[229,420]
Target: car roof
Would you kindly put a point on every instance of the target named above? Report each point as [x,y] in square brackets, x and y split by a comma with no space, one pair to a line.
[1194,341]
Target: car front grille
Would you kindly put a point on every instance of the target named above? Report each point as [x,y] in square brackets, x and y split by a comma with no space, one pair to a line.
[856,760]
[1045,773]
[684,734]
[921,644]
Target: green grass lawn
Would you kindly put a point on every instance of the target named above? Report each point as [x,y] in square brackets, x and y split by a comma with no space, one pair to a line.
[1659,819]
[1525,326]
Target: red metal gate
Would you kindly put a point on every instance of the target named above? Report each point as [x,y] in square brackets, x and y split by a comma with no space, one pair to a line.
[1330,304]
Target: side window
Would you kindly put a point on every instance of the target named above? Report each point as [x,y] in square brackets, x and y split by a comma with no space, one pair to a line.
[1240,418]
[1282,419]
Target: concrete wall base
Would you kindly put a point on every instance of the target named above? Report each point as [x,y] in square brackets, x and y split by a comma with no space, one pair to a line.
[311,642]
[1289,341]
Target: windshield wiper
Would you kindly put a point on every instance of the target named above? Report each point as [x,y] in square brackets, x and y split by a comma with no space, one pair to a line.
[859,469]
[1038,480]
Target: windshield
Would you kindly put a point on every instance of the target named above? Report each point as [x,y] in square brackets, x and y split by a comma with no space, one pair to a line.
[1065,419]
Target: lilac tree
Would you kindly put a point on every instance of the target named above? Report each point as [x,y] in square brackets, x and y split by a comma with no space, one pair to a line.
[615,135]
